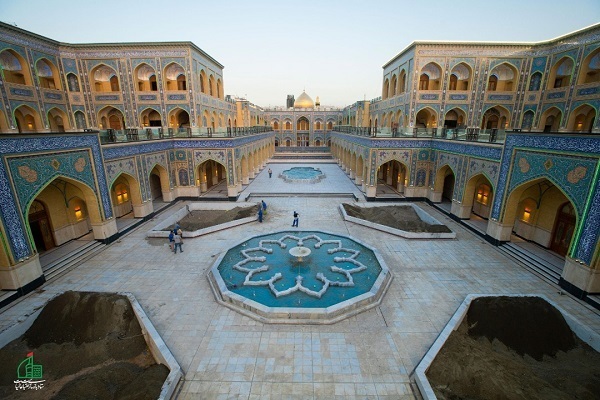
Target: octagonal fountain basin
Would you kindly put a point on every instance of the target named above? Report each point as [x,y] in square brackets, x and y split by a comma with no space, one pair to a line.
[302,175]
[300,277]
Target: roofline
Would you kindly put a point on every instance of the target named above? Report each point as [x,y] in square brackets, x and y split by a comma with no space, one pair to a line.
[113,45]
[492,43]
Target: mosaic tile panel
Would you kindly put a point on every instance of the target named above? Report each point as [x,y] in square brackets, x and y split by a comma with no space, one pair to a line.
[572,174]
[488,168]
[116,167]
[8,203]
[32,173]
[585,146]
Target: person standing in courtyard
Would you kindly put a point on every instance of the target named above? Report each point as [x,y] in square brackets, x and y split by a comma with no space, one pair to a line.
[178,241]
[270,172]
[171,240]
[260,214]
[295,223]
[264,206]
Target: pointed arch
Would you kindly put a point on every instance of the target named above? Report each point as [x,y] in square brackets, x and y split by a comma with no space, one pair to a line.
[145,77]
[582,118]
[503,78]
[174,77]
[15,68]
[561,73]
[550,120]
[58,120]
[590,68]
[460,77]
[111,118]
[48,75]
[430,77]
[150,117]
[104,79]
[27,119]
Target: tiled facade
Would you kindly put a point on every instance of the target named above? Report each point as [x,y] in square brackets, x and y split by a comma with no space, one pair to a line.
[59,87]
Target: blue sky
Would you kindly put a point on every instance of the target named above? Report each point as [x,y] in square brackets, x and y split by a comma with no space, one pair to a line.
[334,49]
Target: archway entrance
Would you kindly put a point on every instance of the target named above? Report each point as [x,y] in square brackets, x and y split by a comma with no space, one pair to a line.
[61,212]
[160,187]
[212,177]
[541,213]
[39,222]
[390,179]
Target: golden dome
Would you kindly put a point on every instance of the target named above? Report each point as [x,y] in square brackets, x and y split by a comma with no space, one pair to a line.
[304,101]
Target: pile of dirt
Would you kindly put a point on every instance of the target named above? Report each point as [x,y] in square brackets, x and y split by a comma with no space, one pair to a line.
[398,217]
[200,219]
[515,348]
[90,346]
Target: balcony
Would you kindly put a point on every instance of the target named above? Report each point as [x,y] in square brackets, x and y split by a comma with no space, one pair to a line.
[109,136]
[461,134]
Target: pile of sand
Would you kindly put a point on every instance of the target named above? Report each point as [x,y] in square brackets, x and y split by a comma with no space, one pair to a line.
[91,346]
[515,348]
[398,217]
[200,219]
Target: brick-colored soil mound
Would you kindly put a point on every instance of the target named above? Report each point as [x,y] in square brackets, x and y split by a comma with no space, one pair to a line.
[90,346]
[515,348]
[200,219]
[398,217]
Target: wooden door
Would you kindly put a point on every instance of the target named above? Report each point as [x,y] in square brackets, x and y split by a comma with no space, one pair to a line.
[563,229]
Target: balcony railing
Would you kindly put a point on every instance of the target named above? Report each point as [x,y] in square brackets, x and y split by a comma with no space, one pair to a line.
[135,135]
[465,134]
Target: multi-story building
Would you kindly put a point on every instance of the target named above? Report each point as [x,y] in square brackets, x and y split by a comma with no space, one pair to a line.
[161,129]
[306,124]
[549,86]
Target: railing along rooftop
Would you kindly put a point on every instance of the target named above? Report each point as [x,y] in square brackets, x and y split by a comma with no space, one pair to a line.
[109,136]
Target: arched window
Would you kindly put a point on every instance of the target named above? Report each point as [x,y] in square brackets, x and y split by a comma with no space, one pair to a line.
[535,82]
[72,82]
[114,84]
[560,75]
[453,82]
[386,88]
[80,120]
[211,86]
[218,87]
[424,82]
[181,84]
[105,79]
[47,74]
[402,82]
[460,77]
[430,77]
[590,70]
[527,120]
[12,65]
[174,77]
[393,86]
[502,78]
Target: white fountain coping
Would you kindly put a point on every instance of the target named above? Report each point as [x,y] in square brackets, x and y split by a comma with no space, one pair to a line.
[584,333]
[158,231]
[300,315]
[425,217]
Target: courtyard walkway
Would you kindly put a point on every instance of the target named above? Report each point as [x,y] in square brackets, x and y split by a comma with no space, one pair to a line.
[369,356]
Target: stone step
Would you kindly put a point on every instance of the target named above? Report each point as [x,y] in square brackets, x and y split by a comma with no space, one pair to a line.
[540,267]
[72,259]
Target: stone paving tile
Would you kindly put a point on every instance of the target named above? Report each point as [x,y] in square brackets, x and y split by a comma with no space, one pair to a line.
[369,356]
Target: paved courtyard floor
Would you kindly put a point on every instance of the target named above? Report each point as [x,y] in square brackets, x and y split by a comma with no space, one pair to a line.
[225,355]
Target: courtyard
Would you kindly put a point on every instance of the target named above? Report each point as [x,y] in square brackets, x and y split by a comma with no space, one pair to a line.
[225,355]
